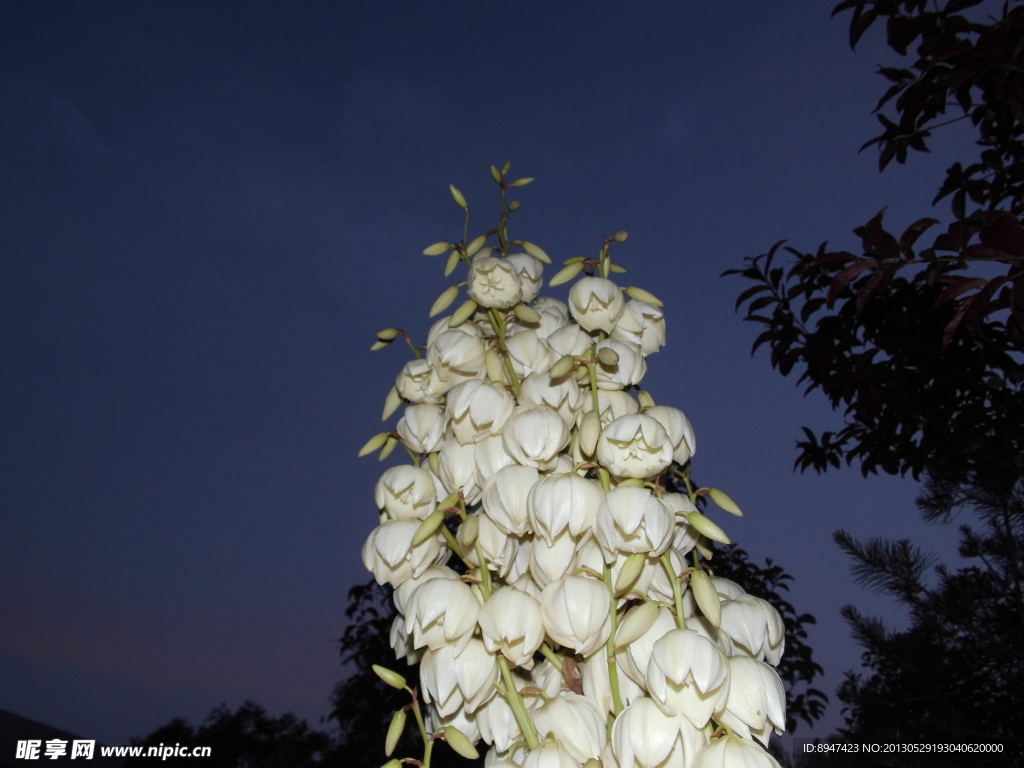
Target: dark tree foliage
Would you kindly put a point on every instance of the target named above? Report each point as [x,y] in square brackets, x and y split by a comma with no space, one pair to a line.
[246,738]
[363,705]
[922,349]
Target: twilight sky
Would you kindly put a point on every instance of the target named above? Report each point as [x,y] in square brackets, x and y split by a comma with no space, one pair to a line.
[208,209]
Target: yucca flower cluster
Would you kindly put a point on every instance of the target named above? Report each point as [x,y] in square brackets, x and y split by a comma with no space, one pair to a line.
[553,587]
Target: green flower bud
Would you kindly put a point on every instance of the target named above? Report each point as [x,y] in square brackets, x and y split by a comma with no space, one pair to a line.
[394,732]
[527,314]
[707,528]
[428,527]
[621,236]
[706,597]
[462,314]
[453,261]
[506,167]
[391,403]
[645,296]
[373,443]
[616,268]
[468,532]
[521,182]
[378,345]
[495,372]
[536,251]
[389,334]
[630,572]
[444,300]
[436,249]
[562,366]
[389,446]
[514,205]
[590,432]
[457,740]
[722,500]
[476,245]
[574,260]
[459,197]
[566,274]
[636,622]
[495,174]
[608,357]
[390,677]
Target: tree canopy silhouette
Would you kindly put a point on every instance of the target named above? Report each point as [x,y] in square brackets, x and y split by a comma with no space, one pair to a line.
[922,349]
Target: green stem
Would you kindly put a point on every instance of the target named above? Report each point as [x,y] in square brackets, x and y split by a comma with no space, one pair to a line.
[485,572]
[427,752]
[551,656]
[419,717]
[592,373]
[414,457]
[515,701]
[499,327]
[413,347]
[677,591]
[453,544]
[613,668]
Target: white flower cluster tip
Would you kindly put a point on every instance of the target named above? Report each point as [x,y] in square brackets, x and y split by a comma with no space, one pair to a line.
[581,626]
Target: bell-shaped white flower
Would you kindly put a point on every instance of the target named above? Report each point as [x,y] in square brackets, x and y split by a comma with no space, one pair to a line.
[634,446]
[525,583]
[419,383]
[477,409]
[613,403]
[498,547]
[755,627]
[456,356]
[689,675]
[570,339]
[510,622]
[506,495]
[497,723]
[530,272]
[554,314]
[404,590]
[679,429]
[757,700]
[521,565]
[452,679]
[643,735]
[660,587]
[534,435]
[422,427]
[490,457]
[564,501]
[597,683]
[528,354]
[390,555]
[632,519]
[550,561]
[636,656]
[494,283]
[441,326]
[564,394]
[642,325]
[442,612]
[576,722]
[406,493]
[401,642]
[733,752]
[457,469]
[596,303]
[575,613]
[628,370]
[551,754]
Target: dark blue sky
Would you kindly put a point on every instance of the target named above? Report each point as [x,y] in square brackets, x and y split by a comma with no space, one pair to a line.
[208,209]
